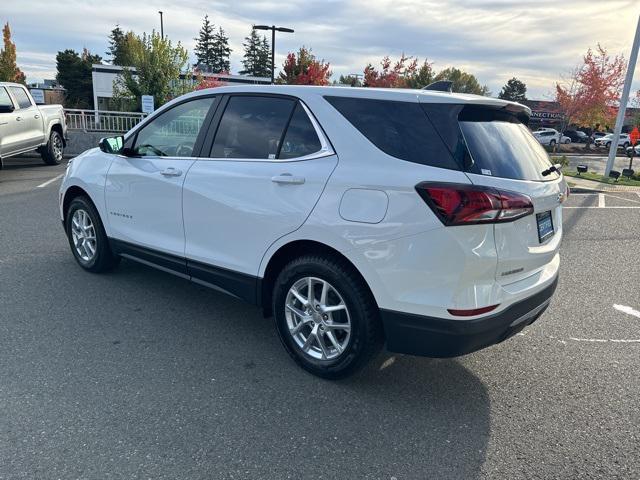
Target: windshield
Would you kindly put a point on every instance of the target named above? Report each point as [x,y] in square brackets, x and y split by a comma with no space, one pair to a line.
[501,145]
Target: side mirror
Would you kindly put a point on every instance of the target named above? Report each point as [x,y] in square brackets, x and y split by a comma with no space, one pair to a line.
[111,144]
[7,108]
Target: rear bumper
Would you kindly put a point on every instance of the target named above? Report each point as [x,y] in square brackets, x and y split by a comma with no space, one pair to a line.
[441,337]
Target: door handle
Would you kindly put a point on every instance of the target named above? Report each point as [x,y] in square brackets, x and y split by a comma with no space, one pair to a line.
[171,172]
[36,116]
[287,179]
[18,119]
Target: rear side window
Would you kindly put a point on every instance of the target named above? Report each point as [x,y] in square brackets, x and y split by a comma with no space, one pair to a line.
[491,142]
[21,97]
[5,99]
[301,138]
[400,129]
[252,127]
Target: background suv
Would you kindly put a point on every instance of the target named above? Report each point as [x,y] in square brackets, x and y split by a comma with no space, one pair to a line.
[428,220]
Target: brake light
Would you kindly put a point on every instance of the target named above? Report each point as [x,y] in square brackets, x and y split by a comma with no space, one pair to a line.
[457,204]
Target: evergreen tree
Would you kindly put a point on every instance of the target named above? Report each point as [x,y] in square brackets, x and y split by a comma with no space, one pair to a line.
[9,71]
[116,38]
[74,74]
[514,90]
[256,61]
[221,52]
[205,42]
[264,58]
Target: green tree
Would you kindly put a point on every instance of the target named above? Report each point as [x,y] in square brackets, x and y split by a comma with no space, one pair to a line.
[74,74]
[221,52]
[463,82]
[205,42]
[256,60]
[120,46]
[421,77]
[156,68]
[349,80]
[9,71]
[514,90]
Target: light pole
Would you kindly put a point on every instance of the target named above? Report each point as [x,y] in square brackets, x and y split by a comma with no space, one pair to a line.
[161,25]
[273,29]
[633,57]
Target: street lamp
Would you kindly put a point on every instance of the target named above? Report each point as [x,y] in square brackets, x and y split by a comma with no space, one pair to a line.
[273,29]
[161,25]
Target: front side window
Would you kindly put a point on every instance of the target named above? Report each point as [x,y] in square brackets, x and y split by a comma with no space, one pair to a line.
[252,127]
[5,99]
[21,97]
[173,133]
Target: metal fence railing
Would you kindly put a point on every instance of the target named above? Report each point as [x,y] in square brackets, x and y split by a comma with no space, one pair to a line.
[101,120]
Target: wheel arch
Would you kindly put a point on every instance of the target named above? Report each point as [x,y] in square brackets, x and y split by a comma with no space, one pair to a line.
[288,252]
[72,192]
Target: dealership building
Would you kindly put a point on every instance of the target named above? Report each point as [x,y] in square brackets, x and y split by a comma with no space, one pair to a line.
[103,77]
[548,114]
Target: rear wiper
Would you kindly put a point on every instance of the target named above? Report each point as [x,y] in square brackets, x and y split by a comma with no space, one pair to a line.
[551,169]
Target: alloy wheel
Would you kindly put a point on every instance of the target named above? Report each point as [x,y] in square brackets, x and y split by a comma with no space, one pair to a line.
[56,147]
[83,235]
[317,318]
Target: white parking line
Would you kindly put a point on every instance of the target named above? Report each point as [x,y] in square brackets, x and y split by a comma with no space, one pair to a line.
[601,200]
[626,309]
[49,182]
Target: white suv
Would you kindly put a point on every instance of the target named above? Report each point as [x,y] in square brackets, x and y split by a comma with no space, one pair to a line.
[427,220]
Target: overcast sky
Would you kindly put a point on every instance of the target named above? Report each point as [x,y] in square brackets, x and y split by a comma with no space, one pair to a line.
[535,40]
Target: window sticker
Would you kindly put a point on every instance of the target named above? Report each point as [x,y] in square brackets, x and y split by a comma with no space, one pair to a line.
[485,171]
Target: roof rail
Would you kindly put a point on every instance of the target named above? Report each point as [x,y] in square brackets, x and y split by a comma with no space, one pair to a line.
[440,86]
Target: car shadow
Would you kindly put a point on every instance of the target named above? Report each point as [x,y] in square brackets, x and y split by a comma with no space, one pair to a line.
[402,416]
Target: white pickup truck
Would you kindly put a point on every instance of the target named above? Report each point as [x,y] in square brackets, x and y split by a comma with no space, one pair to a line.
[25,127]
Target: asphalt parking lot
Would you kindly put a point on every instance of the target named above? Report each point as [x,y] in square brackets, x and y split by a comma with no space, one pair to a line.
[139,374]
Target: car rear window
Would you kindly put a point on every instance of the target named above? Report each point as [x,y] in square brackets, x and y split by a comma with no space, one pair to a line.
[400,129]
[490,141]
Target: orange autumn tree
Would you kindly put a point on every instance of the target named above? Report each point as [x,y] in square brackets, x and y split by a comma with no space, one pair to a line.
[304,69]
[9,71]
[590,95]
[397,75]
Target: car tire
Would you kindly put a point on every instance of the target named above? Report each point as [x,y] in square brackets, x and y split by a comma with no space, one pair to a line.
[567,141]
[625,145]
[87,238]
[552,143]
[317,339]
[53,152]
[607,145]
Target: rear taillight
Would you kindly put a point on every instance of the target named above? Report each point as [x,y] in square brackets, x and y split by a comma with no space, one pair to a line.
[456,204]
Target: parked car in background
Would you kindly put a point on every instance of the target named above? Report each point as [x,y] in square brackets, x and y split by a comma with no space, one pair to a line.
[605,141]
[550,136]
[635,150]
[576,136]
[25,127]
[349,214]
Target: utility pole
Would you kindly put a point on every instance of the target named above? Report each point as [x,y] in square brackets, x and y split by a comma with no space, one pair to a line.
[623,100]
[161,25]
[273,29]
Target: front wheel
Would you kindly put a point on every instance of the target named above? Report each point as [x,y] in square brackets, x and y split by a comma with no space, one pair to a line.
[53,151]
[552,143]
[326,316]
[87,238]
[608,145]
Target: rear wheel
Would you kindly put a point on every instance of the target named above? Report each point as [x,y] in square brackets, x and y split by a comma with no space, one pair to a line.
[87,238]
[552,143]
[326,317]
[53,151]
[608,145]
